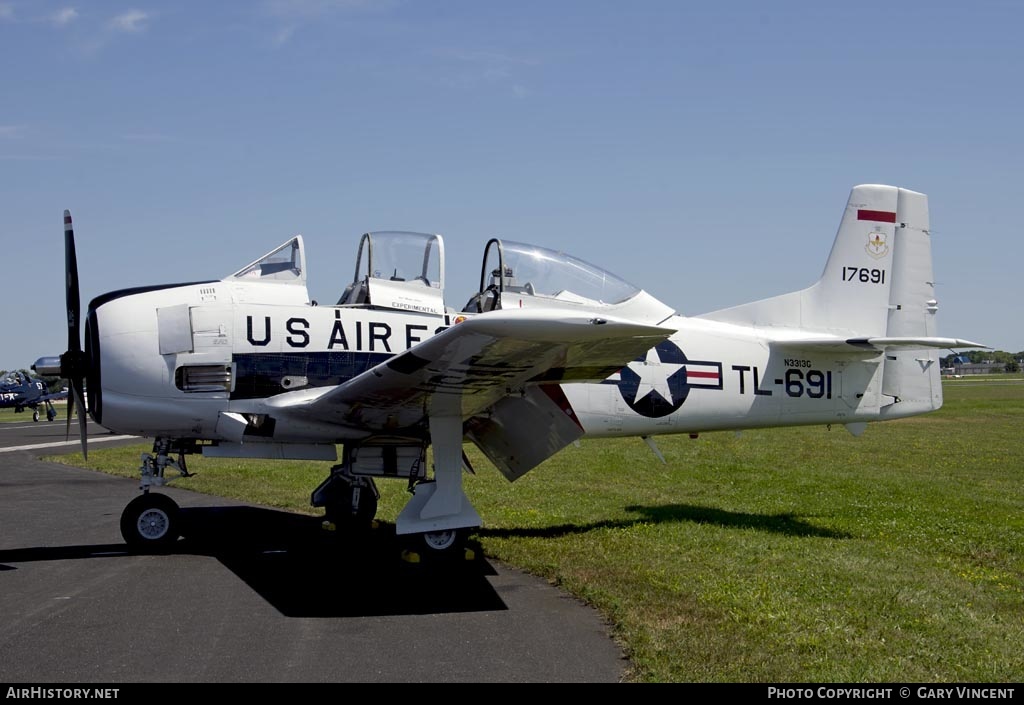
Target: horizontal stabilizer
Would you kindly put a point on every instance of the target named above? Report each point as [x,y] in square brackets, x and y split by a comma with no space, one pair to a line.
[878,344]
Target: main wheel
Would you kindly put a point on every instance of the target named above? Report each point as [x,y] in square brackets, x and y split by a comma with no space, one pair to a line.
[448,544]
[35,415]
[339,509]
[150,522]
[441,541]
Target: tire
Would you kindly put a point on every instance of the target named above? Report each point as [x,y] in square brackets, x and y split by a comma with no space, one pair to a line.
[339,510]
[445,545]
[35,415]
[150,522]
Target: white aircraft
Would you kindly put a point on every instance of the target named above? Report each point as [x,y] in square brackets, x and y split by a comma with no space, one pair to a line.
[550,349]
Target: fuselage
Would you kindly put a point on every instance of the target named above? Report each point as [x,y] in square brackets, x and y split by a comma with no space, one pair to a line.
[173,361]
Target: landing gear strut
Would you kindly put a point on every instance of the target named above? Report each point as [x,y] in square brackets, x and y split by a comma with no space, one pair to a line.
[439,517]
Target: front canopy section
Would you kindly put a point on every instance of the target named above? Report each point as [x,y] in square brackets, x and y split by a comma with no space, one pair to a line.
[517,275]
[399,270]
[284,265]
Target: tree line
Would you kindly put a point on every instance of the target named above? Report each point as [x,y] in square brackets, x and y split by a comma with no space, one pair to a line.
[1009,362]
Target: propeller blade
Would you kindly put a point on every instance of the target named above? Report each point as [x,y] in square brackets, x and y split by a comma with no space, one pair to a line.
[71,412]
[71,284]
[78,396]
[73,362]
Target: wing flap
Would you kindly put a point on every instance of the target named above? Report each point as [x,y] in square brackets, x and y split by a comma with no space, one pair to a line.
[521,432]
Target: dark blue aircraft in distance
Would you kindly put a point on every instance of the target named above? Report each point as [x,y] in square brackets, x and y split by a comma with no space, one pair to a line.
[21,392]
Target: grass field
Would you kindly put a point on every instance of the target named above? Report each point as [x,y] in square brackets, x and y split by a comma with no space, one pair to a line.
[783,556]
[8,415]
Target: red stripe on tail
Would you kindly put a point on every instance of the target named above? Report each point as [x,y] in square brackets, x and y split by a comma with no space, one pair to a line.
[880,216]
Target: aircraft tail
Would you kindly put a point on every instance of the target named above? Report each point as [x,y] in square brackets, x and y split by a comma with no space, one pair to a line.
[877,292]
[852,297]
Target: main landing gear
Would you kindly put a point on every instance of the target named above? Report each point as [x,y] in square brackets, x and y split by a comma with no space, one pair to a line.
[51,413]
[349,501]
[438,518]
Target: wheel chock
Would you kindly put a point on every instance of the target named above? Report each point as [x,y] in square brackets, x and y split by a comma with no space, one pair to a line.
[410,556]
[328,526]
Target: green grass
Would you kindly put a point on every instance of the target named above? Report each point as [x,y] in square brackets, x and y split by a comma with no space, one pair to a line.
[785,555]
[8,415]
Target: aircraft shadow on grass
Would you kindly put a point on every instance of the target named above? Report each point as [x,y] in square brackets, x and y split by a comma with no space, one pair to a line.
[784,523]
[304,571]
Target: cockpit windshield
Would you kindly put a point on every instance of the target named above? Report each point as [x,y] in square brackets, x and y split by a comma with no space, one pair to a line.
[285,264]
[517,268]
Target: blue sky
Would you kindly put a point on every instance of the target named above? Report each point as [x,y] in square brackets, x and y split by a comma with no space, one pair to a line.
[703,151]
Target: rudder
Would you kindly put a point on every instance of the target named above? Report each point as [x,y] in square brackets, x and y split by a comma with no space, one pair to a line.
[911,381]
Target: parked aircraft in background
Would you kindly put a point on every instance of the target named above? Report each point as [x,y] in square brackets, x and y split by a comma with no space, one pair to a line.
[21,392]
[551,348]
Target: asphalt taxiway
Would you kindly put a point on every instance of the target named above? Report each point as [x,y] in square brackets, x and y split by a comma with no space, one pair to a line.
[254,595]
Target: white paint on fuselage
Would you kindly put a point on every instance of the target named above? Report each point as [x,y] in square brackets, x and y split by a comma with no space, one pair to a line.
[139,392]
[762,384]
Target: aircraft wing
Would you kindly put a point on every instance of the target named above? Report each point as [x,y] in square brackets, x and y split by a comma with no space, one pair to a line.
[472,365]
[876,344]
[54,395]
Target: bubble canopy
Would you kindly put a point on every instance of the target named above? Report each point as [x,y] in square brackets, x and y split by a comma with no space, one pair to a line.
[516,267]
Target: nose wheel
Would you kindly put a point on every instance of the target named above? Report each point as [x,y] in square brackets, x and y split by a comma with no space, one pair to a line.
[150,522]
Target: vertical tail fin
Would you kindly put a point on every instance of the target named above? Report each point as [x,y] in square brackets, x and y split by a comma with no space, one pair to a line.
[878,290]
[881,250]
